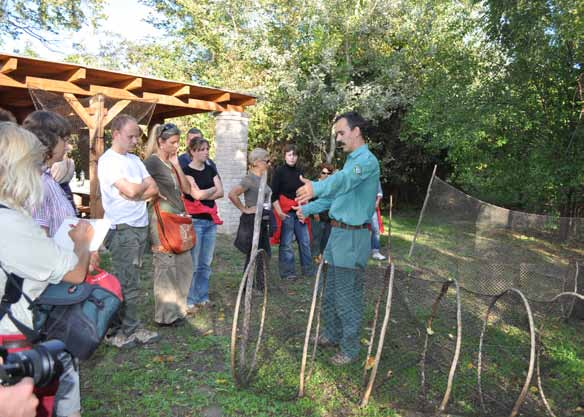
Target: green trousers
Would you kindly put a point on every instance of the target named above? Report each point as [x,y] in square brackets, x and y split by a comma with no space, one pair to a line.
[342,309]
[126,245]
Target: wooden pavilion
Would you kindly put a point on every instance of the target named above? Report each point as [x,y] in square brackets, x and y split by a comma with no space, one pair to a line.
[19,75]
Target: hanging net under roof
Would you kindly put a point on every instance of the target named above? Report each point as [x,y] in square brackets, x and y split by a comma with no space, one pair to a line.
[62,104]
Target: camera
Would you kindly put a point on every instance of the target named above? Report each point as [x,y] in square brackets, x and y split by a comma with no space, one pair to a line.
[41,363]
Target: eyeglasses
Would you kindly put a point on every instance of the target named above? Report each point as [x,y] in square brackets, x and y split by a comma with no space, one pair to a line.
[325,172]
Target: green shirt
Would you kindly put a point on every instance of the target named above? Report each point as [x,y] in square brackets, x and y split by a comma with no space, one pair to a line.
[350,196]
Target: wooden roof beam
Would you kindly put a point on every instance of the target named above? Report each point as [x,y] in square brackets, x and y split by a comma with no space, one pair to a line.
[178,91]
[75,75]
[176,102]
[113,92]
[218,98]
[55,86]
[130,84]
[8,65]
[6,81]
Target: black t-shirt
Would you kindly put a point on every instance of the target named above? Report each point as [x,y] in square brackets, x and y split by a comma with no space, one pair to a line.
[204,180]
[286,181]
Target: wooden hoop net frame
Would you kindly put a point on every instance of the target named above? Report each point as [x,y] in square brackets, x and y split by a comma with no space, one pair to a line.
[242,366]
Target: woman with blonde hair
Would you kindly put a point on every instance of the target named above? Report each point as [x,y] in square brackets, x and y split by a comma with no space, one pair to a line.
[172,272]
[21,188]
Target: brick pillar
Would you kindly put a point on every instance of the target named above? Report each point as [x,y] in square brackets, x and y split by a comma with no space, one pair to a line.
[231,160]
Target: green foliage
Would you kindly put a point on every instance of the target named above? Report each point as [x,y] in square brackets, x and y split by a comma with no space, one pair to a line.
[504,102]
[36,18]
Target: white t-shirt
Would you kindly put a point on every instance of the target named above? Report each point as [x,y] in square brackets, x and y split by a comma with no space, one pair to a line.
[112,167]
[26,251]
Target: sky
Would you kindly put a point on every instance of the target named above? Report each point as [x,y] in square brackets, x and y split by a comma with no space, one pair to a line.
[125,17]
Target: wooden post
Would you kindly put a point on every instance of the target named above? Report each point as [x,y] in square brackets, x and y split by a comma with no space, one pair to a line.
[422,212]
[96,149]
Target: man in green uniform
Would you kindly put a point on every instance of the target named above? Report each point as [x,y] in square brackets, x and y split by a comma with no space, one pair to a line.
[349,195]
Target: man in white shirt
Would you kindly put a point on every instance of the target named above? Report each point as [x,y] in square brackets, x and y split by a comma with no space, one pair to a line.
[125,187]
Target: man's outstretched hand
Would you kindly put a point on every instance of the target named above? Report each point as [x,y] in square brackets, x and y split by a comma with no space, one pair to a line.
[305,193]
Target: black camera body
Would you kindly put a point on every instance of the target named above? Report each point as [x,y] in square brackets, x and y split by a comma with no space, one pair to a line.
[41,363]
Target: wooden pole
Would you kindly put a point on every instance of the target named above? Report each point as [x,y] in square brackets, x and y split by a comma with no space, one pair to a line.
[382,333]
[389,229]
[309,327]
[422,212]
[96,149]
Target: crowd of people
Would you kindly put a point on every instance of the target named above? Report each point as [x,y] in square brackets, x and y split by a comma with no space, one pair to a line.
[337,214]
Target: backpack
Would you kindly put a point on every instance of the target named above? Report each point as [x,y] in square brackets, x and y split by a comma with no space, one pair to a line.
[77,314]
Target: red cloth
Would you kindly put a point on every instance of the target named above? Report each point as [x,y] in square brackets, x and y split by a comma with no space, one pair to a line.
[105,280]
[196,207]
[380,221]
[286,205]
[46,395]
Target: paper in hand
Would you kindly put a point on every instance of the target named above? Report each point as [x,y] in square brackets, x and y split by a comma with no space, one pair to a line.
[100,229]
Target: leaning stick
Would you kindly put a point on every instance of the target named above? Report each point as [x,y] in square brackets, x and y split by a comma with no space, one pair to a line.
[456,350]
[367,392]
[308,327]
[374,327]
[422,212]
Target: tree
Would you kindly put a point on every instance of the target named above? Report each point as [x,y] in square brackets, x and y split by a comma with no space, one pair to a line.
[41,17]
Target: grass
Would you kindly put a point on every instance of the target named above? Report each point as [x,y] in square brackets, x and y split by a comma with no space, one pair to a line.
[188,372]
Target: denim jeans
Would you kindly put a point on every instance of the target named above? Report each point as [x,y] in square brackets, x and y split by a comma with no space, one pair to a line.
[291,227]
[375,232]
[202,255]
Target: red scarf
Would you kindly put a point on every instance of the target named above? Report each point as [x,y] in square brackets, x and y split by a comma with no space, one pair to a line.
[196,207]
[286,205]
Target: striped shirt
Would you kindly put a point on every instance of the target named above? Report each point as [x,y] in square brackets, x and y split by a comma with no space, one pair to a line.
[55,206]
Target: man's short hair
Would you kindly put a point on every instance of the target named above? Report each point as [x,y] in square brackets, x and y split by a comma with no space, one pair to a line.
[194,131]
[6,116]
[354,120]
[121,120]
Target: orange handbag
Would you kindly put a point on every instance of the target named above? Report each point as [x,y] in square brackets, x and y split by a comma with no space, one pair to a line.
[176,232]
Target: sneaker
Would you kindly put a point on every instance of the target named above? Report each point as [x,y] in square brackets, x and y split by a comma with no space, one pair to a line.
[146,336]
[377,255]
[121,341]
[192,309]
[205,303]
[340,359]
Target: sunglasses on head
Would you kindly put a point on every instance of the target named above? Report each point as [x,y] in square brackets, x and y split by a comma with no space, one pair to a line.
[168,127]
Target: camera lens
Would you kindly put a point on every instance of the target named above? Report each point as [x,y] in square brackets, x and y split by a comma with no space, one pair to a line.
[40,363]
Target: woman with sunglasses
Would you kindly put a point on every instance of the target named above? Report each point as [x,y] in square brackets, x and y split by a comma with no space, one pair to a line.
[172,272]
[321,222]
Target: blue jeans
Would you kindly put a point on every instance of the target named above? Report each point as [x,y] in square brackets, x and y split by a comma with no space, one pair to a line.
[291,227]
[202,255]
[375,232]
